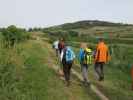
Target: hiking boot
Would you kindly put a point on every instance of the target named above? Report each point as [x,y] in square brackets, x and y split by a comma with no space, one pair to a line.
[68,84]
[88,83]
[83,82]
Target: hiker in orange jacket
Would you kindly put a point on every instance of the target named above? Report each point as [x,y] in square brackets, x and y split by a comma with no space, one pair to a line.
[101,57]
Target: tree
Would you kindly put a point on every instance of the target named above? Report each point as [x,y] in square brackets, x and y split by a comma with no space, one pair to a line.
[12,35]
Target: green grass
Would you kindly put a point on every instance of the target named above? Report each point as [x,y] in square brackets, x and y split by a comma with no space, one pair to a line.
[35,78]
[117,84]
[26,75]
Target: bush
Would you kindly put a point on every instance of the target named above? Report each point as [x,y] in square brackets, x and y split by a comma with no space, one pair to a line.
[73,33]
[12,35]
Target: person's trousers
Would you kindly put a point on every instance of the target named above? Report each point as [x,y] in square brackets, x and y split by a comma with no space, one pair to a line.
[99,69]
[60,50]
[57,52]
[84,69]
[67,70]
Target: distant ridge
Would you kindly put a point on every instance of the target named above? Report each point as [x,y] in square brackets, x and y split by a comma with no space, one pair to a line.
[88,23]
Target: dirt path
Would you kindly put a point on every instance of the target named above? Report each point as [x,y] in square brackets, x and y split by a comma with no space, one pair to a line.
[93,88]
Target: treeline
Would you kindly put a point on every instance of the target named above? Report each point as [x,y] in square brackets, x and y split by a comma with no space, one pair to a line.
[80,24]
[86,24]
[12,35]
[89,23]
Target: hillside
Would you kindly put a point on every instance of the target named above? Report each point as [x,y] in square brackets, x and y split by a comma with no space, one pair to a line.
[90,31]
[91,27]
[29,67]
[117,77]
[119,39]
[27,73]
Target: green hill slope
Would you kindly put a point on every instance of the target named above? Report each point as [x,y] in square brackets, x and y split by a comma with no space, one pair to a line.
[31,76]
[92,27]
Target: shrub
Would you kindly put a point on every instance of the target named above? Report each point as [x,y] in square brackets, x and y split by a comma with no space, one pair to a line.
[12,35]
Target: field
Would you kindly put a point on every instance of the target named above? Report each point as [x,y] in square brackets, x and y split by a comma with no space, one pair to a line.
[117,84]
[26,74]
[27,67]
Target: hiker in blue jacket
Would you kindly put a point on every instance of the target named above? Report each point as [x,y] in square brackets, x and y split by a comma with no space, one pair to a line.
[67,58]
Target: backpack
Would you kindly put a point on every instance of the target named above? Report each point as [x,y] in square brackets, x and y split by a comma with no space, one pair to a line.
[61,45]
[69,55]
[88,56]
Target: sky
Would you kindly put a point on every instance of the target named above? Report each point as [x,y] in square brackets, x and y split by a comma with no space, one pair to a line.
[45,13]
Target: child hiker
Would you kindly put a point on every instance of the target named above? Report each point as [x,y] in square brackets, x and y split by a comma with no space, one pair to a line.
[85,58]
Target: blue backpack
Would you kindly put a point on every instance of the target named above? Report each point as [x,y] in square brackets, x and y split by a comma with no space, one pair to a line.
[69,55]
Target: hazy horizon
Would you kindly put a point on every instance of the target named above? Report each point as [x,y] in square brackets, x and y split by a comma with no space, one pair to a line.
[45,13]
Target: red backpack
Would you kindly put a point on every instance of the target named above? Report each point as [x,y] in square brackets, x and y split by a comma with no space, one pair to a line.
[61,45]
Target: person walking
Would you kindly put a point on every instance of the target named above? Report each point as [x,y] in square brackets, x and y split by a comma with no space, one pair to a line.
[61,45]
[55,46]
[85,59]
[67,58]
[101,58]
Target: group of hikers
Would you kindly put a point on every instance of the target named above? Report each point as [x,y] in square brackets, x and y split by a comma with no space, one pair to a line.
[87,56]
